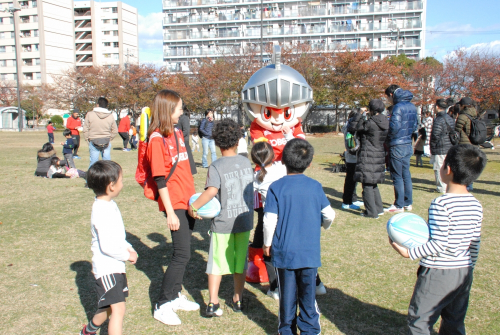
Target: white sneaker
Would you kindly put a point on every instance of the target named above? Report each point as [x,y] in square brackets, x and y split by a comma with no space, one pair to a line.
[183,304]
[166,315]
[394,209]
[358,203]
[320,289]
[408,208]
[274,294]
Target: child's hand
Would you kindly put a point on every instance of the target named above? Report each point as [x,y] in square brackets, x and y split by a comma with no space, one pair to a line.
[173,221]
[133,256]
[267,251]
[194,214]
[401,250]
[62,143]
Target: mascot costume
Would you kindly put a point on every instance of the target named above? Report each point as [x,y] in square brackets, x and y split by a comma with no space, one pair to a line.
[277,99]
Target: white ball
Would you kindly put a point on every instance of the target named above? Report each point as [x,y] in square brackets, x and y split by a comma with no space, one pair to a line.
[408,230]
[211,208]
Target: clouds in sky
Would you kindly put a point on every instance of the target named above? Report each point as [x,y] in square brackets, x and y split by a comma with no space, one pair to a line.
[151,38]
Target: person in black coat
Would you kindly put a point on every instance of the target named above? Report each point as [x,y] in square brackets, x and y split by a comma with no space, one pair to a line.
[440,141]
[370,169]
[185,126]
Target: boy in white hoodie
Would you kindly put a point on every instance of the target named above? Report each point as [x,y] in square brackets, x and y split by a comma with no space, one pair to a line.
[109,247]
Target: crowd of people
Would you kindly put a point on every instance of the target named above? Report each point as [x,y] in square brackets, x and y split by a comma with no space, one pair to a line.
[292,207]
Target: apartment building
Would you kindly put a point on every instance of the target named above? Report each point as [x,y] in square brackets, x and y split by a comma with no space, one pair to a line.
[106,33]
[44,37]
[210,28]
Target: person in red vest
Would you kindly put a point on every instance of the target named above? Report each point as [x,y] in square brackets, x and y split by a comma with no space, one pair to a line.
[75,125]
[123,129]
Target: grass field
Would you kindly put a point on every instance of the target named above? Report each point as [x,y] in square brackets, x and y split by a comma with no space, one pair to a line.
[45,258]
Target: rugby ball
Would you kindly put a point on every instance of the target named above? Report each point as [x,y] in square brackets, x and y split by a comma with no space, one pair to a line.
[408,230]
[211,208]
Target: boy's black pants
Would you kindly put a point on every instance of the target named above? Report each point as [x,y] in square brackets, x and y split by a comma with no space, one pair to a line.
[372,200]
[440,292]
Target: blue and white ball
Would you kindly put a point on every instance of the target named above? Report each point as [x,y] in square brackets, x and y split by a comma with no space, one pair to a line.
[211,208]
[408,230]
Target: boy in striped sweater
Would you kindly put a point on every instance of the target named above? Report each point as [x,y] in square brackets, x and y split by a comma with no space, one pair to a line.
[447,260]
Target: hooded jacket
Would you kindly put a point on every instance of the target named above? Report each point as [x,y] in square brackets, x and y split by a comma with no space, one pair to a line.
[463,124]
[43,162]
[440,139]
[404,118]
[370,168]
[99,123]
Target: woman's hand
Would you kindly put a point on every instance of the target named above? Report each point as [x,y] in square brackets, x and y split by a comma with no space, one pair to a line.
[173,221]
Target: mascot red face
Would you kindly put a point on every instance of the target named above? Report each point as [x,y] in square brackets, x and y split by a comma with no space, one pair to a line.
[277,98]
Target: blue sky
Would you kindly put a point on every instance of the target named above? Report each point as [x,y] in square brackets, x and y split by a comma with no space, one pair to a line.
[450,24]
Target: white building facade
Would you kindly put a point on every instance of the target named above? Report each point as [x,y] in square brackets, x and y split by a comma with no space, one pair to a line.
[45,40]
[209,28]
[106,33]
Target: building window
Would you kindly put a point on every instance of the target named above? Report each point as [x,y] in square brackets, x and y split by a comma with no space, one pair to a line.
[2,35]
[37,61]
[28,62]
[115,44]
[3,63]
[105,10]
[36,47]
[3,49]
[24,4]
[24,19]
[106,32]
[115,21]
[14,63]
[116,56]
[114,10]
[107,44]
[26,48]
[28,76]
[35,33]
[115,32]
[34,4]
[107,55]
[105,21]
[3,76]
[15,76]
[38,76]
[35,18]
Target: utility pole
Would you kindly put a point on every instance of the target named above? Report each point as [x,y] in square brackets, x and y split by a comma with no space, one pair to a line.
[262,31]
[20,117]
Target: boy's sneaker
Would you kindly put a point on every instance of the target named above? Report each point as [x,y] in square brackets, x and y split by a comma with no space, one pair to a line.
[408,208]
[77,157]
[274,294]
[352,206]
[85,332]
[183,304]
[214,310]
[394,209]
[166,314]
[236,306]
[358,203]
[366,215]
[320,289]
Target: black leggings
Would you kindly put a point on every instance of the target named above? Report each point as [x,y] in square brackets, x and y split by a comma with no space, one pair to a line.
[124,136]
[181,242]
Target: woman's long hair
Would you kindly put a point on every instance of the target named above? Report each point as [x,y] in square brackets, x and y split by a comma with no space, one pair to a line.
[262,154]
[163,107]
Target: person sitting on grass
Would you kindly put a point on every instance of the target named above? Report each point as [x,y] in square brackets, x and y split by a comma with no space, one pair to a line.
[230,179]
[56,170]
[68,146]
[296,208]
[43,158]
[448,259]
[109,247]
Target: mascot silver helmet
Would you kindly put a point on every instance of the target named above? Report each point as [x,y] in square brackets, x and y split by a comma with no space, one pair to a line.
[278,88]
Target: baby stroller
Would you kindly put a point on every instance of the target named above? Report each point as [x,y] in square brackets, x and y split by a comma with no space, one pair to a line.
[340,166]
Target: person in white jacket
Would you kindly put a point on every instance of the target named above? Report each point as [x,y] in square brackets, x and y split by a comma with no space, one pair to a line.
[109,247]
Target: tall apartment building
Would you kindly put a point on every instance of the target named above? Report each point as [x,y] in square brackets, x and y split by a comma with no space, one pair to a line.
[45,40]
[208,28]
[106,33]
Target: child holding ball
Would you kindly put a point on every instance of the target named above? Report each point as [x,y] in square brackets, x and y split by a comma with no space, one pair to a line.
[230,179]
[447,260]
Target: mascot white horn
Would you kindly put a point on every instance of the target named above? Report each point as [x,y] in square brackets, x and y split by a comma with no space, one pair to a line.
[277,98]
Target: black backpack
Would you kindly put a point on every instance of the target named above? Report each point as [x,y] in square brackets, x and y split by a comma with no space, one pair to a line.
[452,134]
[478,131]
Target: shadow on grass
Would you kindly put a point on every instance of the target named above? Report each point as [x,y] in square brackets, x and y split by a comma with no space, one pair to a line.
[353,316]
[85,282]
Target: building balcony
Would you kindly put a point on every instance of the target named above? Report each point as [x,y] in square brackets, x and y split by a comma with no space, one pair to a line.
[334,9]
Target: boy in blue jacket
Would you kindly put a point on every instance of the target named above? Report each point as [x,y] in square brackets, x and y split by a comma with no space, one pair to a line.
[296,209]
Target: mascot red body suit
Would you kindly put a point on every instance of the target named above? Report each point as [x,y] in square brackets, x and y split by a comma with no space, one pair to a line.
[276,98]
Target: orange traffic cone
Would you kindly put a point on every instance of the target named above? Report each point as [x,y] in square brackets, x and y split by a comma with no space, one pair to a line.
[256,272]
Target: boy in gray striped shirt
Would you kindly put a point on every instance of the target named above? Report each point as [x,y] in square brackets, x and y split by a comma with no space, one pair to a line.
[447,260]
